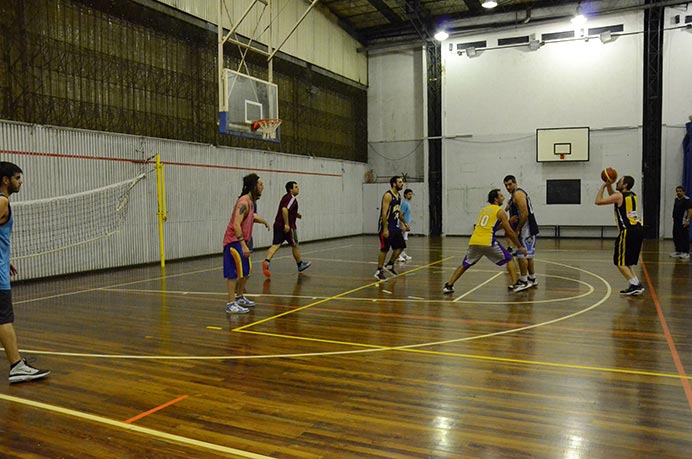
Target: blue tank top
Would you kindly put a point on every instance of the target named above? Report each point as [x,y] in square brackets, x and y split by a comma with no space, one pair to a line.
[5,231]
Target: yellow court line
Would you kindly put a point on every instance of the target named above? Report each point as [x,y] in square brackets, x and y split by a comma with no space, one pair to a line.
[337,296]
[477,287]
[548,364]
[472,356]
[143,430]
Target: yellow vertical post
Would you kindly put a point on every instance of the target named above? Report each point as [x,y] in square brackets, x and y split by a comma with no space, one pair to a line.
[161,208]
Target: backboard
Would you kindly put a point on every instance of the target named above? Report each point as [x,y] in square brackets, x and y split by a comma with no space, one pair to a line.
[562,144]
[248,99]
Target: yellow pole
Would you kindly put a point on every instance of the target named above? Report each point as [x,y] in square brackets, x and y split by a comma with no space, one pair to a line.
[161,210]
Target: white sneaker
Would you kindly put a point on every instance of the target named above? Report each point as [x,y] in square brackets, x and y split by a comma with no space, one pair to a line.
[242,301]
[235,308]
[675,254]
[408,257]
[401,259]
[684,256]
[22,371]
[533,282]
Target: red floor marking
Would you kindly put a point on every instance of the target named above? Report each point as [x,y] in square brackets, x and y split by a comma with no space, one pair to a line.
[671,345]
[154,410]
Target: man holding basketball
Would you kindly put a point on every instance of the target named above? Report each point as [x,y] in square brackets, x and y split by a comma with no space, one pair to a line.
[629,241]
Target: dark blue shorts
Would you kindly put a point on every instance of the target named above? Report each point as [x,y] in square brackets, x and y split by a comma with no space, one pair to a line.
[235,264]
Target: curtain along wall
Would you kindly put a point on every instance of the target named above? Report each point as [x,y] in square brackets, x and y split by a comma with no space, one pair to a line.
[120,67]
[202,184]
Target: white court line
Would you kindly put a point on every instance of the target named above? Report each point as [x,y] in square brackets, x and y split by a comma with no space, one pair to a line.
[477,287]
[77,292]
[134,428]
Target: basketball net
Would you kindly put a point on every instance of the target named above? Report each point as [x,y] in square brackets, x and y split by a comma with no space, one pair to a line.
[268,127]
[48,225]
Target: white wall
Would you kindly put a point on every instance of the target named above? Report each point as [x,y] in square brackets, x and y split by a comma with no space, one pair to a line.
[202,184]
[497,99]
[677,108]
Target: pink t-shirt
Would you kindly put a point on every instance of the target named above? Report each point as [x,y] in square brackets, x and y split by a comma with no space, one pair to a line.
[245,225]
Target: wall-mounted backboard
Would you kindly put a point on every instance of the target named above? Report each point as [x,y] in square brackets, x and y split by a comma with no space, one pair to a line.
[562,144]
[248,99]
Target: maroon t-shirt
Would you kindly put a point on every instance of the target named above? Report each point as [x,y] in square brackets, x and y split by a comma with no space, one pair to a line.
[291,203]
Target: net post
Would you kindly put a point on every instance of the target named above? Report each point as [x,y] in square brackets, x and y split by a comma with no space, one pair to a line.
[161,210]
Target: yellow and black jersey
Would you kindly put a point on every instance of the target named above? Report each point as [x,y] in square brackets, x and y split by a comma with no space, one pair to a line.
[487,224]
[627,215]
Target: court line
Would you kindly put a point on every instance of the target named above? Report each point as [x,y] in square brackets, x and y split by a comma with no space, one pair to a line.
[477,286]
[324,300]
[415,299]
[671,344]
[154,410]
[188,273]
[132,427]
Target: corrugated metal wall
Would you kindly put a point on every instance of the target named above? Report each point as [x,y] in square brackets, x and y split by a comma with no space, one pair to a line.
[317,40]
[202,184]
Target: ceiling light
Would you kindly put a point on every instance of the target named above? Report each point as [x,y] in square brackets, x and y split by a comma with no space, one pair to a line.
[579,20]
[489,4]
[441,35]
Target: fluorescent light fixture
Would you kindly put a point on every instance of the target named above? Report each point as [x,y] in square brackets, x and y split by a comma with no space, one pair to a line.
[489,4]
[441,35]
[606,37]
[579,20]
[534,45]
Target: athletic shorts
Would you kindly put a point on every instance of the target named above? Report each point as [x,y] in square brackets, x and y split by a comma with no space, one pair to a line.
[6,311]
[495,253]
[628,245]
[235,264]
[395,241]
[529,243]
[280,236]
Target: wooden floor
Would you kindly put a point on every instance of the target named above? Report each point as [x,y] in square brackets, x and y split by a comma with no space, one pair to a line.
[331,364]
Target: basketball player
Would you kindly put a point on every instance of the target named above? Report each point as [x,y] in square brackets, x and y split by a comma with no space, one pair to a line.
[483,241]
[10,182]
[285,229]
[237,266]
[406,214]
[521,214]
[628,244]
[389,227]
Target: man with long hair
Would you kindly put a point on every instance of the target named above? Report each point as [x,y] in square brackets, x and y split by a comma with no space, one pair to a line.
[237,266]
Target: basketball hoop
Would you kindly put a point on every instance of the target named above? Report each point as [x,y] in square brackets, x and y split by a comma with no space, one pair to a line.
[267,126]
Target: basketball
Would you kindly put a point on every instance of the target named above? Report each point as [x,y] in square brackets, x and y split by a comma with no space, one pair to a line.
[609,174]
[254,126]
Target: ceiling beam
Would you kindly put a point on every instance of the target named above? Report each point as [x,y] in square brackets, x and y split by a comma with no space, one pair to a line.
[385,11]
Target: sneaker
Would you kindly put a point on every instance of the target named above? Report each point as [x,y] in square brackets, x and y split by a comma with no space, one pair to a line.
[533,282]
[401,259]
[390,267]
[304,265]
[265,268]
[243,301]
[408,257]
[633,290]
[379,275]
[22,371]
[448,288]
[235,308]
[520,285]
[675,254]
[684,256]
